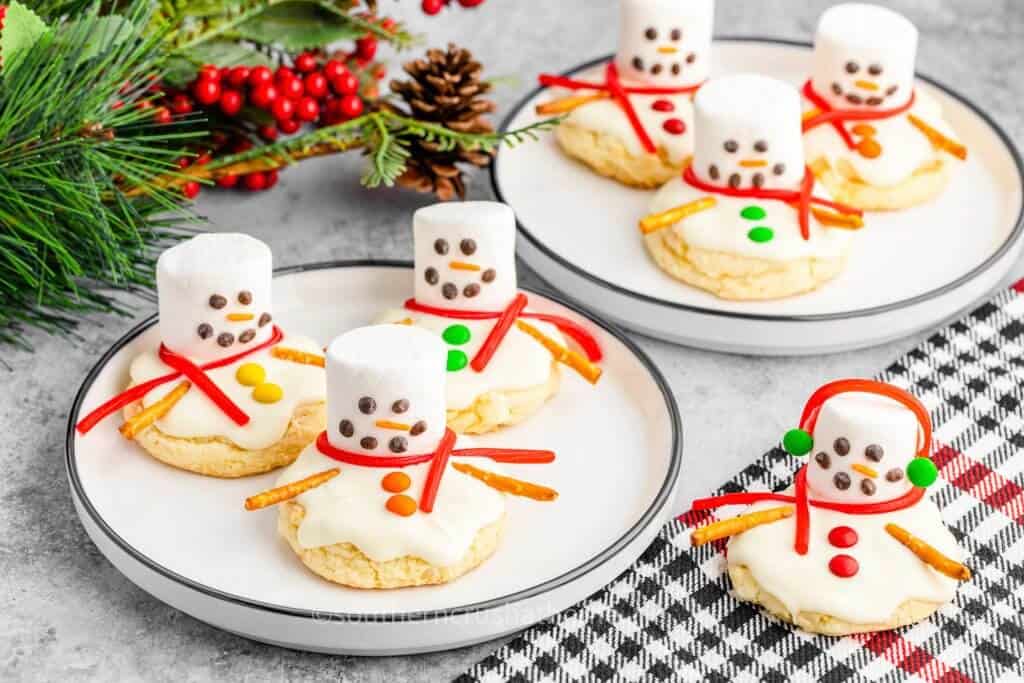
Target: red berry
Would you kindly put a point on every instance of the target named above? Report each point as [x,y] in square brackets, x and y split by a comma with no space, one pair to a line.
[203,159]
[388,23]
[231,102]
[283,72]
[255,181]
[271,177]
[334,69]
[432,7]
[288,126]
[238,76]
[144,104]
[209,71]
[226,181]
[346,84]
[224,72]
[268,133]
[315,84]
[162,115]
[307,109]
[181,104]
[206,91]
[291,87]
[182,162]
[264,95]
[260,75]
[351,106]
[241,145]
[471,3]
[366,48]
[191,189]
[305,62]
[283,109]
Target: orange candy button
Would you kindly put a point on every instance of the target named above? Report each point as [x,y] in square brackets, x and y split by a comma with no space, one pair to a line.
[401,505]
[865,130]
[869,148]
[395,482]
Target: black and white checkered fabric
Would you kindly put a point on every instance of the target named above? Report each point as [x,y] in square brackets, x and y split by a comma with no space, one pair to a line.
[672,617]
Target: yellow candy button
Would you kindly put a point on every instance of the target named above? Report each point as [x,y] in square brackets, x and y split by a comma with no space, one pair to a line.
[268,392]
[251,374]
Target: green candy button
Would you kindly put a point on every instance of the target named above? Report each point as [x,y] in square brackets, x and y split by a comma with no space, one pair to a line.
[761,234]
[457,360]
[456,335]
[797,442]
[922,472]
[753,213]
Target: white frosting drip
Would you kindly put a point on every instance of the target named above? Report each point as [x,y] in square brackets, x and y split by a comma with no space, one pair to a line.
[519,363]
[351,508]
[607,117]
[196,416]
[888,574]
[723,229]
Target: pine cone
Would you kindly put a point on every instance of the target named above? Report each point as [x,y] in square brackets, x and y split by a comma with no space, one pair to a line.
[444,88]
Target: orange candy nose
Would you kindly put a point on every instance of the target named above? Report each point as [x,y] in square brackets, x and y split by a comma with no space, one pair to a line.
[401,505]
[395,482]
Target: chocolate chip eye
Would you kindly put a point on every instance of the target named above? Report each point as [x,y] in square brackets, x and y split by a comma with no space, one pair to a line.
[731,146]
[691,58]
[894,475]
[468,247]
[676,69]
[418,428]
[676,35]
[400,406]
[867,487]
[218,302]
[264,319]
[489,275]
[471,290]
[761,146]
[837,89]
[823,460]
[854,99]
[431,276]
[713,172]
[205,331]
[247,336]
[841,446]
[441,246]
[651,33]
[852,67]
[346,428]
[779,169]
[449,291]
[758,180]
[368,442]
[875,69]
[735,180]
[245,297]
[398,444]
[891,90]
[873,101]
[225,339]
[656,69]
[367,405]
[841,481]
[638,64]
[874,453]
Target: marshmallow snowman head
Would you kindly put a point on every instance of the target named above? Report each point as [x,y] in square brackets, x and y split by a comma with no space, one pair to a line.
[386,390]
[864,57]
[747,133]
[215,295]
[465,255]
[665,42]
[862,446]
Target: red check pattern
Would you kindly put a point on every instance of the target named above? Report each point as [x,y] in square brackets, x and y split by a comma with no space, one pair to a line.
[672,617]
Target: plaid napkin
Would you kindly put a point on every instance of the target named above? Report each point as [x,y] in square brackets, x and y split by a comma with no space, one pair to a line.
[671,616]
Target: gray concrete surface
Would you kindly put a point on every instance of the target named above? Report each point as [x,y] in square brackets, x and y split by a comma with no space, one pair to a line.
[67,614]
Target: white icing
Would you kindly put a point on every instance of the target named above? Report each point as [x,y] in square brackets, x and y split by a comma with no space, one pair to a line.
[722,228]
[489,229]
[863,420]
[222,264]
[888,574]
[351,508]
[747,127]
[196,416]
[608,118]
[671,39]
[519,363]
[386,364]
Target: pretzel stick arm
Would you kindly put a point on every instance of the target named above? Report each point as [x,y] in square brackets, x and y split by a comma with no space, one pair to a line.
[296,356]
[665,219]
[289,491]
[565,105]
[578,362]
[515,487]
[139,422]
[737,525]
[928,554]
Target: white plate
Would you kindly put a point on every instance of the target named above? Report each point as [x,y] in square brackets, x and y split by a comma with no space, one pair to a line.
[909,270]
[187,540]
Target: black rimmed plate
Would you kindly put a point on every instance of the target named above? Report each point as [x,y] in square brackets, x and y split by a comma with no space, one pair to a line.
[187,540]
[908,270]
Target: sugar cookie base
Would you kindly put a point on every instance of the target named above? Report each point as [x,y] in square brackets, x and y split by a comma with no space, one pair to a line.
[747,588]
[608,156]
[846,187]
[218,457]
[497,409]
[729,276]
[344,563]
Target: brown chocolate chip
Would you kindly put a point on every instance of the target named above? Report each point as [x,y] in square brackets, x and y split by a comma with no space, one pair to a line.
[368,442]
[841,481]
[638,64]
[217,301]
[431,276]
[894,475]
[761,146]
[875,69]
[651,33]
[247,336]
[400,406]
[346,428]
[225,339]
[205,330]
[489,275]
[823,460]
[676,35]
[441,246]
[854,99]
[837,89]
[245,297]
[779,169]
[418,428]
[852,67]
[873,101]
[874,453]
[449,291]
[867,487]
[841,446]
[656,69]
[713,172]
[758,180]
[468,246]
[264,319]
[735,180]
[398,444]
[676,69]
[691,58]
[731,146]
[471,290]
[891,90]
[367,405]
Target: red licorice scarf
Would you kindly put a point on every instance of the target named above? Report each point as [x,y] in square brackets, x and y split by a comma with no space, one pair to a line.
[800,199]
[438,459]
[194,373]
[620,93]
[837,117]
[803,503]
[506,319]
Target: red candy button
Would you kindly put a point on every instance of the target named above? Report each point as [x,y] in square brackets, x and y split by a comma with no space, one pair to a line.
[843,566]
[843,537]
[663,105]
[674,126]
